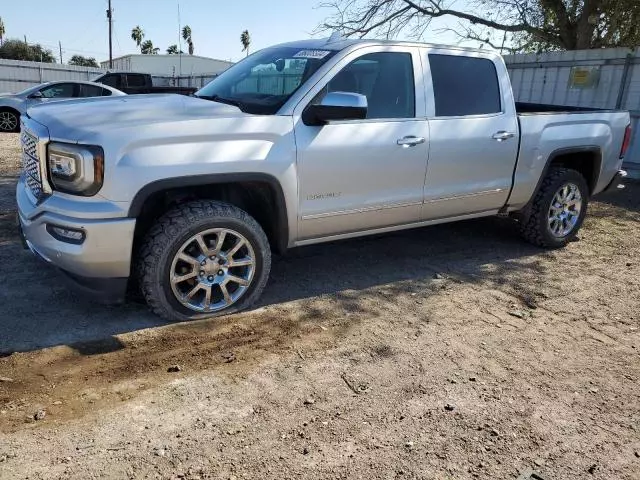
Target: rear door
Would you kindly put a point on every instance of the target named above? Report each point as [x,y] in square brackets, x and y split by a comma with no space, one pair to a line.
[473,132]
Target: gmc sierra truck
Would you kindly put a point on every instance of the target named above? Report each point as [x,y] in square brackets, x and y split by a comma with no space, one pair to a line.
[185,198]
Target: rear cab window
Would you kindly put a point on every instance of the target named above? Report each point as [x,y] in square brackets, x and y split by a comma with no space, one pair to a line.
[464,85]
[136,80]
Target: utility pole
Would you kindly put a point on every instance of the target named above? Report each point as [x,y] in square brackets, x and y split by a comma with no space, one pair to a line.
[60,45]
[25,40]
[110,20]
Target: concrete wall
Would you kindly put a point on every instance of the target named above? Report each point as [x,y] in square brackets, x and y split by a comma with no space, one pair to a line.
[546,78]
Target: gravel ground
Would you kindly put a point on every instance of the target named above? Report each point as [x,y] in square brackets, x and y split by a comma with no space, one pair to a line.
[455,351]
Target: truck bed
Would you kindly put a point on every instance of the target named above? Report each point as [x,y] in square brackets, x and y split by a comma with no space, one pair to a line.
[538,108]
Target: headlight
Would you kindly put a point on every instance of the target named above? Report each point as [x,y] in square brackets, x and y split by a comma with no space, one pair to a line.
[76,169]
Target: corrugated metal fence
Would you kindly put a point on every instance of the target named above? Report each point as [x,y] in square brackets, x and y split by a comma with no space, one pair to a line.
[606,78]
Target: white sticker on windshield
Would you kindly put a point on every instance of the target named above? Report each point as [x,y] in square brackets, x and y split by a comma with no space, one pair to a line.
[312,54]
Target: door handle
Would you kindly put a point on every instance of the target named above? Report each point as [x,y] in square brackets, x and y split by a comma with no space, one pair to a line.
[501,136]
[410,141]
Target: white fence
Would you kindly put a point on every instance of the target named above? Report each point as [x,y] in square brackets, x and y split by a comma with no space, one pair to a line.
[16,75]
[605,78]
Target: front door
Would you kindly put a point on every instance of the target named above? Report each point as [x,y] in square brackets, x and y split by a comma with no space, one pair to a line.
[365,174]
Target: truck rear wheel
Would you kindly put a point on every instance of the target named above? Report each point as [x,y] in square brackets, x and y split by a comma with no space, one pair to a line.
[558,209]
[203,259]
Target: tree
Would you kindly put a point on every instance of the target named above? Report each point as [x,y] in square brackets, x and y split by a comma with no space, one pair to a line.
[147,48]
[137,35]
[519,25]
[186,35]
[173,50]
[83,61]
[2,31]
[245,39]
[18,50]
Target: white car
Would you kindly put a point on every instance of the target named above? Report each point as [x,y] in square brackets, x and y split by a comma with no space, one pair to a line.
[13,105]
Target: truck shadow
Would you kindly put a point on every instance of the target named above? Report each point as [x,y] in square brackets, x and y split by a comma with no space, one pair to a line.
[39,310]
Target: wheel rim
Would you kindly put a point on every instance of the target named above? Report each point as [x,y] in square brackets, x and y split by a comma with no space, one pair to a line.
[8,121]
[212,270]
[565,210]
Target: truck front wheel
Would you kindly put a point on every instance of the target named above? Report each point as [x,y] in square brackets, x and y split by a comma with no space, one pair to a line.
[558,209]
[203,259]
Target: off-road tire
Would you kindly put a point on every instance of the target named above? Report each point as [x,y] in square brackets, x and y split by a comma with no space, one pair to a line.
[174,228]
[534,224]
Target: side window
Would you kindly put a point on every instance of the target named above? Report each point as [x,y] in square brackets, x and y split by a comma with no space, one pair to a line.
[135,81]
[90,91]
[112,80]
[464,85]
[106,93]
[59,90]
[385,78]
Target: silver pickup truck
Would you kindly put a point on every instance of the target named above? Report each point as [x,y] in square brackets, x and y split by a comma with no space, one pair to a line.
[185,198]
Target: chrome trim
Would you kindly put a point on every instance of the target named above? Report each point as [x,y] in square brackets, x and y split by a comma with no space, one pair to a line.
[466,195]
[359,210]
[395,228]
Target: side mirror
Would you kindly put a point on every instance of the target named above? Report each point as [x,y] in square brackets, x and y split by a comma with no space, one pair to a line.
[36,95]
[336,106]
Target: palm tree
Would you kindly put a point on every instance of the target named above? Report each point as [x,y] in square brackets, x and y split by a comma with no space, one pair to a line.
[137,34]
[173,50]
[147,48]
[186,35]
[2,31]
[245,39]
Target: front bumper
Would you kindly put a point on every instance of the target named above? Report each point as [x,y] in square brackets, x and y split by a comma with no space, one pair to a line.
[100,265]
[616,182]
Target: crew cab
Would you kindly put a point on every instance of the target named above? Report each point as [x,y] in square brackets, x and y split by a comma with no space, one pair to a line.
[139,83]
[185,198]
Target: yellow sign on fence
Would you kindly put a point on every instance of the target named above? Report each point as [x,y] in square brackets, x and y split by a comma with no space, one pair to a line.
[584,77]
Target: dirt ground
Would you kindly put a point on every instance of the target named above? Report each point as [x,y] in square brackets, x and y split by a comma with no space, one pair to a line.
[450,352]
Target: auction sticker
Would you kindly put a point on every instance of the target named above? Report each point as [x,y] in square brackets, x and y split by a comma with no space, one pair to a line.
[312,54]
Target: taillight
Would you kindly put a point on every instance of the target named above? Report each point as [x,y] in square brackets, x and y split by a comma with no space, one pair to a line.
[626,141]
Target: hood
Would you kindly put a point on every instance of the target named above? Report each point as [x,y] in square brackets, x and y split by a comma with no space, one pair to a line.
[73,120]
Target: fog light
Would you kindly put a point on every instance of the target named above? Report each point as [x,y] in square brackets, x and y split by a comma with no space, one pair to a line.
[64,234]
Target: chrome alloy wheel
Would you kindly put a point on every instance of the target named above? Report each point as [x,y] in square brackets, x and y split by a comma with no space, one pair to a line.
[212,270]
[565,209]
[8,121]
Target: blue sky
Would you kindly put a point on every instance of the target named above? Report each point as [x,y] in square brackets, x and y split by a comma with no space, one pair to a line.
[81,25]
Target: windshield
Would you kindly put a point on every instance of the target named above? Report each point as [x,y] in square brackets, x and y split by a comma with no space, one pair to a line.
[29,90]
[263,82]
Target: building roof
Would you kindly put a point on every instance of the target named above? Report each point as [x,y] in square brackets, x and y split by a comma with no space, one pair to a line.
[164,55]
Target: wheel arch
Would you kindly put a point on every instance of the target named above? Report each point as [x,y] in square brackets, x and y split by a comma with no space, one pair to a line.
[249,191]
[587,160]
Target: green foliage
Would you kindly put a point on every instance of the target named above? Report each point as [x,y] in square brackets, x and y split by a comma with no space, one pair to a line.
[174,50]
[137,35]
[147,48]
[245,39]
[512,25]
[186,35]
[18,50]
[83,61]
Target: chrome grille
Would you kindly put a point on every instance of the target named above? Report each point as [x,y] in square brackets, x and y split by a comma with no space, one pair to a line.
[31,164]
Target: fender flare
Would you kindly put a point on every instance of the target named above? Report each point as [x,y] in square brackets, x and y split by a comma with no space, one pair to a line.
[282,220]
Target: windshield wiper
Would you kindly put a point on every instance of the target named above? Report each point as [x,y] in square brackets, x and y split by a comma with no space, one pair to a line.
[226,101]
